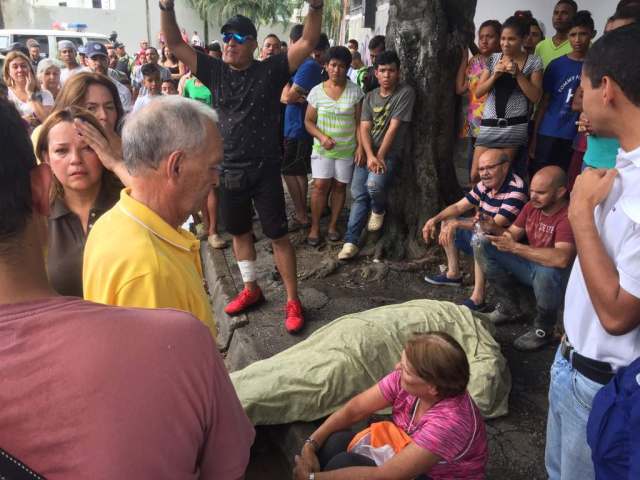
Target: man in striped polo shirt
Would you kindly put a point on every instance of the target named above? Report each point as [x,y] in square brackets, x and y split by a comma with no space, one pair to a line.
[499,197]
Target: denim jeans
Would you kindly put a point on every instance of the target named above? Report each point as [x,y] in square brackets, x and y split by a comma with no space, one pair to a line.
[368,192]
[567,455]
[548,283]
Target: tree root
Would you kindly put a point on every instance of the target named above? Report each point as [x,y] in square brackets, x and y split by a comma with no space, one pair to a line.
[374,272]
[321,270]
[414,265]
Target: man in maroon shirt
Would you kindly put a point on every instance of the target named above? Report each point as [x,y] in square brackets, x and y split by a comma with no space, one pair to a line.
[544,263]
[99,392]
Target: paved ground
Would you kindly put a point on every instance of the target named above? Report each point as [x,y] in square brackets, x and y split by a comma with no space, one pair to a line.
[516,441]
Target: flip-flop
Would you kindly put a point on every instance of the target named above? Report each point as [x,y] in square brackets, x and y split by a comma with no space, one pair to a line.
[334,236]
[314,242]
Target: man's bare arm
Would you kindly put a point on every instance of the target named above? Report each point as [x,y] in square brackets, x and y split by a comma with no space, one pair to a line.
[169,27]
[301,50]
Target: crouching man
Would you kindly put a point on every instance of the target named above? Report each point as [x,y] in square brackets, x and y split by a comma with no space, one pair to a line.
[499,197]
[544,264]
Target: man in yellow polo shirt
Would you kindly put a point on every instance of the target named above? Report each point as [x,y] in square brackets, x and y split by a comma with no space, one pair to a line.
[555,47]
[136,254]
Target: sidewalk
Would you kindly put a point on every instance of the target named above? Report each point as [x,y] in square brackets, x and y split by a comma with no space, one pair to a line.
[516,441]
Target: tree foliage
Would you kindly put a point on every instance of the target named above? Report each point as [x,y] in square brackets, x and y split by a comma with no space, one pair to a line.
[262,12]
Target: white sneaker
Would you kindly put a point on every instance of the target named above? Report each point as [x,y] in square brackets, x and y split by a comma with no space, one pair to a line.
[375,222]
[216,241]
[349,250]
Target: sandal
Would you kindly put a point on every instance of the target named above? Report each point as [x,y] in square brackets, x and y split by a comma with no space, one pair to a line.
[314,241]
[334,236]
[295,224]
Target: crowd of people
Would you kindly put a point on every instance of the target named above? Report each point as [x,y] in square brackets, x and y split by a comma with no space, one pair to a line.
[94,193]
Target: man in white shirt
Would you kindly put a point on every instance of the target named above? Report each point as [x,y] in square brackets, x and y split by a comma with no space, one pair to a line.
[68,51]
[602,306]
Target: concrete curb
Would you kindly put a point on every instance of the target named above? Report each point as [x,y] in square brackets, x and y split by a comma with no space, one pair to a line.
[241,347]
[221,290]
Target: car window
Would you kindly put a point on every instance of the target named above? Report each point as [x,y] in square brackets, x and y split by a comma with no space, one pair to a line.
[43,40]
[103,41]
[4,42]
[77,41]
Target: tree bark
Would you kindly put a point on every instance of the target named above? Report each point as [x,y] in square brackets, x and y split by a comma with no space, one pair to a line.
[428,36]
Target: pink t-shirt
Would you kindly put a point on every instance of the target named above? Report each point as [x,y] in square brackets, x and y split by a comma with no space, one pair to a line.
[96,392]
[453,429]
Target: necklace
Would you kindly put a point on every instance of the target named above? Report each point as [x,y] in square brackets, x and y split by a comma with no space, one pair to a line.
[411,428]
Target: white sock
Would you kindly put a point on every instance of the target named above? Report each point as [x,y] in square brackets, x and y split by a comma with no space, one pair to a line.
[247,270]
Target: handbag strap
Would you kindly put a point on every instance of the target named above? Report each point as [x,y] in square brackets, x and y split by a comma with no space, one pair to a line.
[13,469]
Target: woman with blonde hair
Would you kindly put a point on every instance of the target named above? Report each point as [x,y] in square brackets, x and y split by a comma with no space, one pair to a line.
[83,191]
[98,95]
[32,102]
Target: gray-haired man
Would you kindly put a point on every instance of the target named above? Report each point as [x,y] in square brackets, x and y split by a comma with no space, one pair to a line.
[136,254]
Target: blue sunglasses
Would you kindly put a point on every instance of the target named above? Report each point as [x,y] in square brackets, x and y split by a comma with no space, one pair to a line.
[226,38]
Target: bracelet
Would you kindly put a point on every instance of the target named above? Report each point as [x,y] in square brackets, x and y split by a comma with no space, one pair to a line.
[165,9]
[313,443]
[316,7]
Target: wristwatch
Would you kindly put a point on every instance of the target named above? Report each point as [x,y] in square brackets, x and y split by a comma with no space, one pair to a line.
[312,476]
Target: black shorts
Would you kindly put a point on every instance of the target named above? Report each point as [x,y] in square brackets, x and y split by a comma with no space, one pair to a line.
[263,188]
[297,156]
[551,151]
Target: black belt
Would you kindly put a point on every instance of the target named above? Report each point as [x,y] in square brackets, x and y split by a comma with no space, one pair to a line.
[599,372]
[504,122]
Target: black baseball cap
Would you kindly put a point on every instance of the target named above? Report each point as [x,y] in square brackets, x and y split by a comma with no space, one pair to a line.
[94,49]
[240,24]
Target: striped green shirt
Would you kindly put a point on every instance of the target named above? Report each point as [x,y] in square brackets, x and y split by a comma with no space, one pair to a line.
[336,119]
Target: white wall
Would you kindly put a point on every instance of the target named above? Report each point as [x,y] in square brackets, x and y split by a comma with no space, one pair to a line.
[542,10]
[128,19]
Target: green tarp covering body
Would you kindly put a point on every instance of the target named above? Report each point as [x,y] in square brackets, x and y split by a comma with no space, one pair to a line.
[315,377]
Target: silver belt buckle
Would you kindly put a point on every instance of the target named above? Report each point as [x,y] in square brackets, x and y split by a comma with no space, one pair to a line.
[502,122]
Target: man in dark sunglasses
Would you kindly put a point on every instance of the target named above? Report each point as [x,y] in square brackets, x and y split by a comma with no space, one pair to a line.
[246,94]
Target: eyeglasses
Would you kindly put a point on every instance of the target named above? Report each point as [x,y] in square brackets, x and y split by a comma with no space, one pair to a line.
[490,167]
[226,38]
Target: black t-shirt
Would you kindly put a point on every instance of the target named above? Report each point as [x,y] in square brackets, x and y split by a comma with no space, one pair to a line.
[248,104]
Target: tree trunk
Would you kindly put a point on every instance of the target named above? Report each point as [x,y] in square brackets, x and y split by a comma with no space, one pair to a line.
[428,36]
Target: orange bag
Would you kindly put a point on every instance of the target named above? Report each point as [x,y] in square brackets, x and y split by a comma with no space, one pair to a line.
[379,442]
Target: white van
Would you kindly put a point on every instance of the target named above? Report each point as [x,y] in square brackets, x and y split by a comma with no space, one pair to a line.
[48,39]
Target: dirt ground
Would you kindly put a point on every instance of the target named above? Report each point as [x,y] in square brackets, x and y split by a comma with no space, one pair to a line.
[330,289]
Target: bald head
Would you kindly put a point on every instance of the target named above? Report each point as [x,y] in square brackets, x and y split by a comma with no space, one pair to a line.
[553,176]
[492,156]
[548,188]
[493,166]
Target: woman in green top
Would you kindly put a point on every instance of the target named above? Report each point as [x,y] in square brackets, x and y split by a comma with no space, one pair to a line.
[196,90]
[332,118]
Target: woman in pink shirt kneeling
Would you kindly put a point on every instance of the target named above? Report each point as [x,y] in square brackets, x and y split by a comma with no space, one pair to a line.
[437,431]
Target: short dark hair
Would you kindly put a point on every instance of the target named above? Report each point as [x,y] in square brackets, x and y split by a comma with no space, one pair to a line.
[15,181]
[341,54]
[583,18]
[323,42]
[354,42]
[296,32]
[571,3]
[152,48]
[149,69]
[377,42]
[272,35]
[609,57]
[627,12]
[534,23]
[283,44]
[517,24]
[387,58]
[495,24]
[214,47]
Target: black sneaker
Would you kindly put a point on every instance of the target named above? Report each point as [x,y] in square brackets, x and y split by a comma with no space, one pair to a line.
[534,339]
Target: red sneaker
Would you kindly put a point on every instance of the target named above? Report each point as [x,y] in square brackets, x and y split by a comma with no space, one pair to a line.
[245,299]
[293,321]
